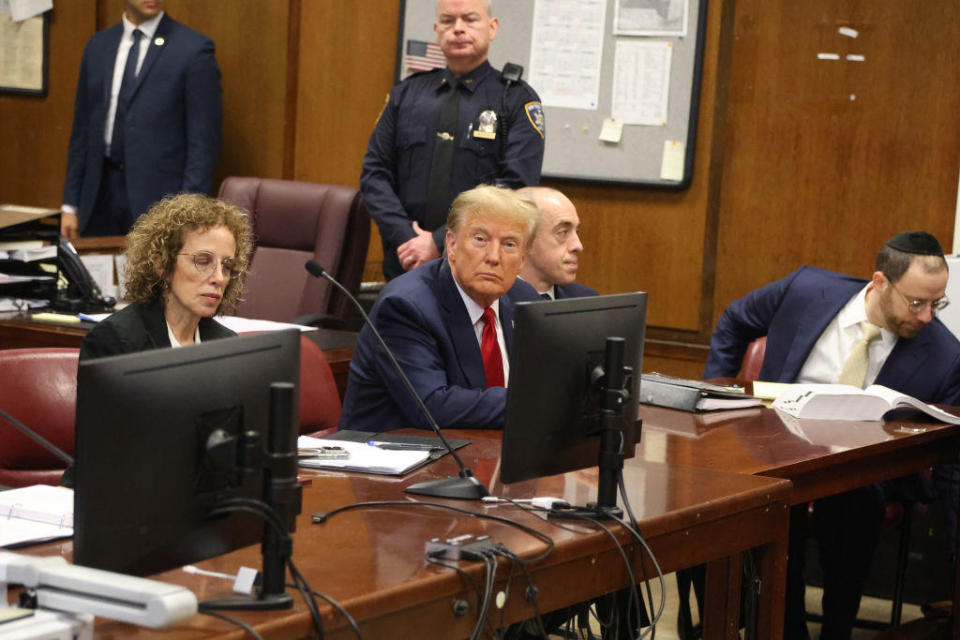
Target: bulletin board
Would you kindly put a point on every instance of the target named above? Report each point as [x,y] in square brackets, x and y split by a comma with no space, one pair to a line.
[654,155]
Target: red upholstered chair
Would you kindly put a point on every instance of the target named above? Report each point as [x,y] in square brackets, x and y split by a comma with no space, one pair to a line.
[295,222]
[753,360]
[38,388]
[319,399]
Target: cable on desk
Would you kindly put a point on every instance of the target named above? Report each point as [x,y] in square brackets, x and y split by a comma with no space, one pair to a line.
[321,517]
[635,528]
[531,588]
[234,621]
[463,574]
[613,619]
[636,536]
[339,607]
[270,516]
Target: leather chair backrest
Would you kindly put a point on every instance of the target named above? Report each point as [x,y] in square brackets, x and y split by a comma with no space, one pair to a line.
[319,398]
[38,387]
[294,222]
[753,360]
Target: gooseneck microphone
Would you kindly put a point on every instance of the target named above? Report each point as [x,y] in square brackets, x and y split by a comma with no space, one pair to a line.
[36,437]
[465,486]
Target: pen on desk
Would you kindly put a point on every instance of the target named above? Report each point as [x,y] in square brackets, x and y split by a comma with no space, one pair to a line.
[401,446]
[86,318]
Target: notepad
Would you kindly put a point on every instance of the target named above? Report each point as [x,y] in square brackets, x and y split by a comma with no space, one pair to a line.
[35,514]
[363,457]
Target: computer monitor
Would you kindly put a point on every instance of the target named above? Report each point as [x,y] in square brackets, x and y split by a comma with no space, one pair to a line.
[164,436]
[553,414]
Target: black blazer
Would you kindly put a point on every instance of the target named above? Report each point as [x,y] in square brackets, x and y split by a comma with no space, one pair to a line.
[139,327]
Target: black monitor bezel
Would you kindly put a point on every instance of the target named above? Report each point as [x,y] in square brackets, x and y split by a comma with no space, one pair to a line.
[133,513]
[536,442]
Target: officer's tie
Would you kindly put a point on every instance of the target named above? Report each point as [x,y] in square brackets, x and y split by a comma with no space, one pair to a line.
[546,296]
[126,88]
[438,185]
[490,350]
[855,369]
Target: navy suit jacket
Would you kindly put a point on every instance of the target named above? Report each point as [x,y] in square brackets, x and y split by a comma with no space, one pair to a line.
[424,322]
[794,311]
[572,290]
[172,135]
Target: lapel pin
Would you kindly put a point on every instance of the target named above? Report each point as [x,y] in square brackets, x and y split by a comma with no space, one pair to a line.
[158,41]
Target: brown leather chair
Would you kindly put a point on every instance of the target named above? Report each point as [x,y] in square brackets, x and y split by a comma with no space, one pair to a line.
[39,389]
[295,222]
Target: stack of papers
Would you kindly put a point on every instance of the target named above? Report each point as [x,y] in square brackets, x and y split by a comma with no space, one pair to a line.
[35,514]
[362,457]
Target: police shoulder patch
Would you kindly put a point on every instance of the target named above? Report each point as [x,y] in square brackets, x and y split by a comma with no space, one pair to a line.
[535,116]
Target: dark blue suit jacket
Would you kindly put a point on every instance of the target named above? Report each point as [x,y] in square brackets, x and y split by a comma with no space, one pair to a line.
[172,135]
[424,322]
[794,311]
[572,290]
[396,167]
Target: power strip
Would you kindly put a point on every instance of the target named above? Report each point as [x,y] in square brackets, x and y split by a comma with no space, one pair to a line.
[465,547]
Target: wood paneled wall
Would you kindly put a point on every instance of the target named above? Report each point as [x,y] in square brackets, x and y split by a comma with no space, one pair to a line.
[797,160]
[34,131]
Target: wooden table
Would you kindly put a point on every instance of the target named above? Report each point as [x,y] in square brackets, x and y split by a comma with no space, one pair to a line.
[819,457]
[18,331]
[371,560]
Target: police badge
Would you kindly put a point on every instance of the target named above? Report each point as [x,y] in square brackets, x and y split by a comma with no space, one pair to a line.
[486,125]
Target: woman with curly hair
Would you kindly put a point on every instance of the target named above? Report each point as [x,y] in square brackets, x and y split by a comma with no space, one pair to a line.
[187,259]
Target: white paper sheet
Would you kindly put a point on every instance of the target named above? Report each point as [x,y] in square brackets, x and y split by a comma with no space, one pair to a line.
[651,17]
[23,9]
[641,82]
[566,51]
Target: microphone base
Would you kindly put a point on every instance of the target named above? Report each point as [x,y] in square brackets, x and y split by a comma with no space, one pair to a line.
[456,487]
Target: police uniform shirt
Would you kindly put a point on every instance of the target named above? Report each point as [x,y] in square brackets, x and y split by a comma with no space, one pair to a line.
[396,168]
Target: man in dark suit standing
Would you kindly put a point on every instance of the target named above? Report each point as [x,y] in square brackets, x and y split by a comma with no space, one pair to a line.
[449,323]
[825,327]
[551,267]
[146,121]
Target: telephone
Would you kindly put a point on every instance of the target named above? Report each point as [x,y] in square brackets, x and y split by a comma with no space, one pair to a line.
[82,295]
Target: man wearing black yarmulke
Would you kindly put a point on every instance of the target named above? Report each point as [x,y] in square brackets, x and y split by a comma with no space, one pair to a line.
[826,327]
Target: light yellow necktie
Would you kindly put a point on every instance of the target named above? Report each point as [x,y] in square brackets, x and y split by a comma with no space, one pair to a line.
[855,369]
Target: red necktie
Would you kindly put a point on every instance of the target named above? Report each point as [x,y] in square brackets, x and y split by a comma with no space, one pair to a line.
[490,349]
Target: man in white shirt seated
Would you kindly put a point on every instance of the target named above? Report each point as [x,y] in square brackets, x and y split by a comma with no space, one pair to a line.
[827,327]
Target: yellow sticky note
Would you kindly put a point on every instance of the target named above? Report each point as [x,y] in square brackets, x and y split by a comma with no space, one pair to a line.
[671,165]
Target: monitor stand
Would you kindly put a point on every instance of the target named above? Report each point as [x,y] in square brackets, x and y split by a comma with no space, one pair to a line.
[614,393]
[282,493]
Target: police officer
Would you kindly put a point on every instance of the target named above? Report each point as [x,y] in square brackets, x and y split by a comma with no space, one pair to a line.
[445,131]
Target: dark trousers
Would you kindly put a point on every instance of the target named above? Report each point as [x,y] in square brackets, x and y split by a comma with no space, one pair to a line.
[111,215]
[847,528]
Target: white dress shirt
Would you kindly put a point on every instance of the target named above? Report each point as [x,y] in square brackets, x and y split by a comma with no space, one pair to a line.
[475,312]
[176,343]
[833,347]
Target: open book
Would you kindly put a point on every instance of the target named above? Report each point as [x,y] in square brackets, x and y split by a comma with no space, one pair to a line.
[35,514]
[844,402]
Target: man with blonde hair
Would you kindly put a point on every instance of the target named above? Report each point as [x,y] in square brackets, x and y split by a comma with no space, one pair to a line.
[449,323]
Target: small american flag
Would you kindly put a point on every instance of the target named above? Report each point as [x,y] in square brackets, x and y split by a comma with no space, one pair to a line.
[423,56]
